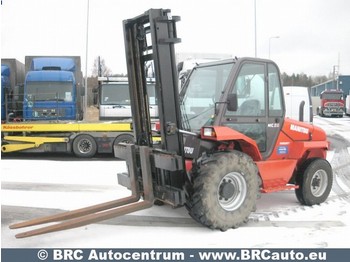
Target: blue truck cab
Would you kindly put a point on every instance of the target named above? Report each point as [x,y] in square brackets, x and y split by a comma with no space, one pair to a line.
[12,78]
[51,91]
[5,86]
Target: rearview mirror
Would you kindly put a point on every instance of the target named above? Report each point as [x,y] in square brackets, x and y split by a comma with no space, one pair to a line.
[180,66]
[232,102]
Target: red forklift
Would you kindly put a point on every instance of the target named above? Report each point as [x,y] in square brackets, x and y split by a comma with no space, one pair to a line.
[224,138]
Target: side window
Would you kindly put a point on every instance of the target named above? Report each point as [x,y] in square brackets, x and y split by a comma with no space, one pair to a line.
[275,94]
[250,90]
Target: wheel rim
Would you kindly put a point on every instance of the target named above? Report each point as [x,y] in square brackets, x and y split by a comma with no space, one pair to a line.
[232,191]
[319,182]
[84,146]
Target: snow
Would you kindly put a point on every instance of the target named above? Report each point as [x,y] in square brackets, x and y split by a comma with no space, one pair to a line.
[279,221]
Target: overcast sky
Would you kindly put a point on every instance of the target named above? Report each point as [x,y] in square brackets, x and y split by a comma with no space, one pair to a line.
[313,34]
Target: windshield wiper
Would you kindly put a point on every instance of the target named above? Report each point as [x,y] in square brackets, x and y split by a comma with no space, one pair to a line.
[118,106]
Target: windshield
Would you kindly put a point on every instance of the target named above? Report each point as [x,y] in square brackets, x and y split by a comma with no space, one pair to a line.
[334,96]
[118,94]
[204,88]
[44,91]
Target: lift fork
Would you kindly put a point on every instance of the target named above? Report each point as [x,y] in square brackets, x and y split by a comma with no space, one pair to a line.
[107,210]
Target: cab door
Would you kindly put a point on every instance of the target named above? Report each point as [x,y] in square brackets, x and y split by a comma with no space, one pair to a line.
[259,112]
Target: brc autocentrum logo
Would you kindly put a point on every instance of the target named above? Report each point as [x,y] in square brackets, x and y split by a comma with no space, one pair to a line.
[111,255]
[178,255]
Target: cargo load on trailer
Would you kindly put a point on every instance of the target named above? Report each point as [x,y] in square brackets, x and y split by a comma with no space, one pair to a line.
[114,98]
[53,88]
[12,79]
[51,109]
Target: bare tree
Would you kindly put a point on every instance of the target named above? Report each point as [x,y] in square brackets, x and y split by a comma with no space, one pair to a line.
[100,68]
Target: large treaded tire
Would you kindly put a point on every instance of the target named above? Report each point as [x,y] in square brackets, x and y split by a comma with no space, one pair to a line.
[315,180]
[225,190]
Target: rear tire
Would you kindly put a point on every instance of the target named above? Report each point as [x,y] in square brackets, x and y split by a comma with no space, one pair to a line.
[124,138]
[315,181]
[84,146]
[225,190]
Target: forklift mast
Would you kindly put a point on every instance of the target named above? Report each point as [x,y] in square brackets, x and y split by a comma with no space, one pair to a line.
[150,38]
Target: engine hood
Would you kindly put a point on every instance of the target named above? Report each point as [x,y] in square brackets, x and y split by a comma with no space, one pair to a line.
[300,131]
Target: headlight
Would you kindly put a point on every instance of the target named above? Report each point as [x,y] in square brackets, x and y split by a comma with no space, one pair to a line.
[208,131]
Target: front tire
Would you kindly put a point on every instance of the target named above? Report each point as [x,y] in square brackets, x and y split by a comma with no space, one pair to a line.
[315,181]
[225,190]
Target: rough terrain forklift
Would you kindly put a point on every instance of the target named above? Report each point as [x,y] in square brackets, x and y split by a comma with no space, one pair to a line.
[224,138]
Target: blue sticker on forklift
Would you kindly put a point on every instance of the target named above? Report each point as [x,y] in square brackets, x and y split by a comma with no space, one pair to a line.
[282,150]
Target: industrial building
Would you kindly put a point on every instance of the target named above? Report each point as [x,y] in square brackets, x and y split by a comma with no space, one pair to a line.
[342,82]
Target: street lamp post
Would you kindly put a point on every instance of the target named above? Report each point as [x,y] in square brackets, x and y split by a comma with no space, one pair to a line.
[86,58]
[255,37]
[270,44]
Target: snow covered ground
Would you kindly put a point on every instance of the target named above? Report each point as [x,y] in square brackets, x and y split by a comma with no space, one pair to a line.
[33,188]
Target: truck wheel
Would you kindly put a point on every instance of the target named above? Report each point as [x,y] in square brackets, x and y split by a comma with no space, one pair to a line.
[315,181]
[84,146]
[225,190]
[124,138]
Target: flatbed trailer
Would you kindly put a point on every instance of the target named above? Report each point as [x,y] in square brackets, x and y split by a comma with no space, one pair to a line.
[83,139]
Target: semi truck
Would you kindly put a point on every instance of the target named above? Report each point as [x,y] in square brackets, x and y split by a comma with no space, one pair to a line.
[332,103]
[12,79]
[53,88]
[51,119]
[114,98]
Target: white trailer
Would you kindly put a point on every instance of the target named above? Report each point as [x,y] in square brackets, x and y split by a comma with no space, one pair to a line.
[298,103]
[347,105]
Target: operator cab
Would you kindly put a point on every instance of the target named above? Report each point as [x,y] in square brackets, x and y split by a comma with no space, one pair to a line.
[243,94]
